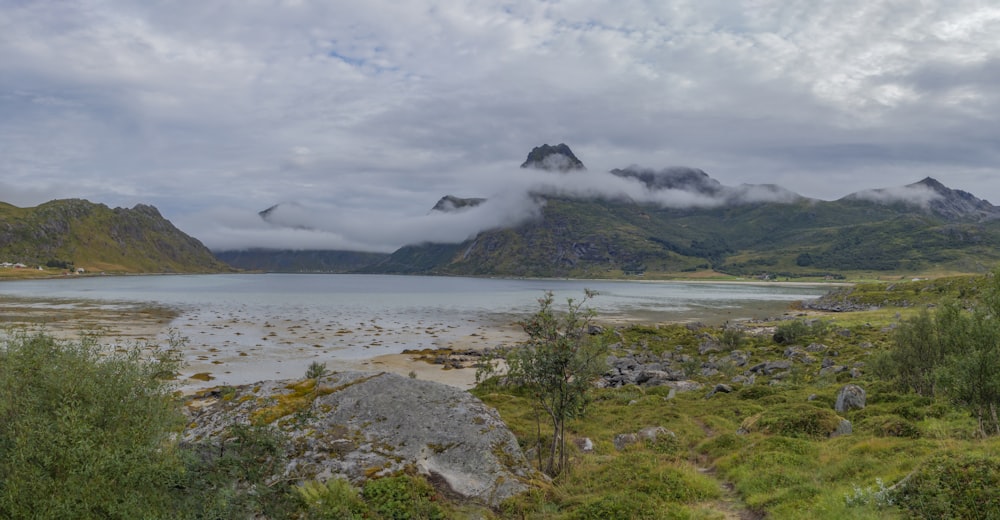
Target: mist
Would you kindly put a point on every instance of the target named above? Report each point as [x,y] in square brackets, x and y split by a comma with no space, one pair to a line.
[513,196]
[913,194]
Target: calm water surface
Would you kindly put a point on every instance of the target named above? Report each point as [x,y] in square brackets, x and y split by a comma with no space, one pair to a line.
[366,296]
[291,317]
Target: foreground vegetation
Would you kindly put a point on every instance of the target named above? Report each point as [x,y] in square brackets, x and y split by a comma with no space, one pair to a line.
[88,432]
[765,450]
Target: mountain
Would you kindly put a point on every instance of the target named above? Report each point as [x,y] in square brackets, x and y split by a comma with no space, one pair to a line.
[81,234]
[935,197]
[450,203]
[680,221]
[739,230]
[553,158]
[299,261]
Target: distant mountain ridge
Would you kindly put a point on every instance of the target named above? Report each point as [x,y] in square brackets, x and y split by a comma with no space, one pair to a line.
[747,230]
[299,261]
[81,234]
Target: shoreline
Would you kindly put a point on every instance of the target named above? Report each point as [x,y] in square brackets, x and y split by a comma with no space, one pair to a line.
[229,345]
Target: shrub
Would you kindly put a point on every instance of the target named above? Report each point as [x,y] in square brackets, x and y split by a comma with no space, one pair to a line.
[797,420]
[556,367]
[316,370]
[230,479]
[953,487]
[889,426]
[632,505]
[336,499]
[402,497]
[85,431]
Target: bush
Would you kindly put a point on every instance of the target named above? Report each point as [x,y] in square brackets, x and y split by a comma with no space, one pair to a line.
[953,487]
[798,420]
[402,498]
[796,331]
[334,500]
[889,426]
[632,505]
[230,479]
[85,431]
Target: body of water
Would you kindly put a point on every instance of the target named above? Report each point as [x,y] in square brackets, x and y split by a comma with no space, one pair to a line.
[291,318]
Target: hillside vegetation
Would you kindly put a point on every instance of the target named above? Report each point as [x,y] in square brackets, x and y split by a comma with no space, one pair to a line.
[65,235]
[805,239]
[748,420]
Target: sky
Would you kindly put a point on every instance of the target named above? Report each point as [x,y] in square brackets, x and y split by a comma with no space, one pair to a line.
[356,117]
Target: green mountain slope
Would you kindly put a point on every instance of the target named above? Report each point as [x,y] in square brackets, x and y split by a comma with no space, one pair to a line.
[791,237]
[587,238]
[686,223]
[82,234]
[299,261]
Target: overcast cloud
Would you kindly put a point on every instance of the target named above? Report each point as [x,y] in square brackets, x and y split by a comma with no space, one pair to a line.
[366,113]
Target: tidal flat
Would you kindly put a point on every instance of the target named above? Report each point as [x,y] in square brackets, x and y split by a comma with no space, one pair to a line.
[240,329]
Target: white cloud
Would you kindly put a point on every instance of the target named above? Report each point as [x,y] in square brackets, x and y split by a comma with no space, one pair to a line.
[915,194]
[386,106]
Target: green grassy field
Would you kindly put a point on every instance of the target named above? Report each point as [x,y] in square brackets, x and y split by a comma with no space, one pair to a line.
[764,450]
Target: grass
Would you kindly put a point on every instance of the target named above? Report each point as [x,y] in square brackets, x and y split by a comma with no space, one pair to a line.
[763,449]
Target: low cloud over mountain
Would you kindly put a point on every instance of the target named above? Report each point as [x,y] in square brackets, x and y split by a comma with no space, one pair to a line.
[510,198]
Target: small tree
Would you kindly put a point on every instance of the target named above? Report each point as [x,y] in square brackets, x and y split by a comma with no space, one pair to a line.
[953,352]
[557,366]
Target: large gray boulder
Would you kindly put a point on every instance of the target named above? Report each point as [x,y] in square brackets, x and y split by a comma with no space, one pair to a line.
[850,397]
[360,425]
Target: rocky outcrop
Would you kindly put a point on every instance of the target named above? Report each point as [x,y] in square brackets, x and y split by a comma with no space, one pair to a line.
[359,425]
[450,203]
[553,158]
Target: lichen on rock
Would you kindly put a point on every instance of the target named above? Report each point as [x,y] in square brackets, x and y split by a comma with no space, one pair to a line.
[361,425]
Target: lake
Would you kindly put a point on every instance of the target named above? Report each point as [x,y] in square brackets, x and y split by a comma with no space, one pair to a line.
[286,321]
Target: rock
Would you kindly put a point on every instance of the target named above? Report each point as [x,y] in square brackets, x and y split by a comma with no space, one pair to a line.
[652,433]
[844,428]
[709,345]
[355,421]
[623,440]
[684,386]
[816,347]
[831,370]
[770,367]
[584,444]
[648,434]
[850,397]
[721,387]
[709,371]
[595,330]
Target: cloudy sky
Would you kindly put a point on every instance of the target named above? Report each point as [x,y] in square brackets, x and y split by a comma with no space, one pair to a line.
[361,115]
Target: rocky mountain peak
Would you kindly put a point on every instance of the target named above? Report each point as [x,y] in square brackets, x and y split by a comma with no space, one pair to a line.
[957,204]
[450,203]
[934,197]
[553,158]
[933,184]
